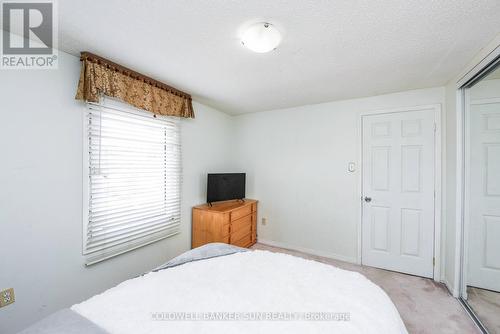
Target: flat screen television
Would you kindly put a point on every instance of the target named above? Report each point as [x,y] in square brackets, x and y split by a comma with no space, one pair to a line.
[224,187]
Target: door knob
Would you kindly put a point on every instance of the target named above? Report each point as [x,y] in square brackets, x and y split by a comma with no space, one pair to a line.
[368,199]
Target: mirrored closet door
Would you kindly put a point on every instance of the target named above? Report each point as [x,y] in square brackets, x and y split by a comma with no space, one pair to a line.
[481,210]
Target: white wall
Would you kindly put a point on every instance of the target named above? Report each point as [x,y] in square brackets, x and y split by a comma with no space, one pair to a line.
[296,162]
[41,194]
[206,148]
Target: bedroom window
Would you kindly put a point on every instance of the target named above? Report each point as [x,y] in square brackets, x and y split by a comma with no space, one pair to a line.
[133,178]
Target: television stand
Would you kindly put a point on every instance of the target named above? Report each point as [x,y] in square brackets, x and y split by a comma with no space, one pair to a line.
[231,222]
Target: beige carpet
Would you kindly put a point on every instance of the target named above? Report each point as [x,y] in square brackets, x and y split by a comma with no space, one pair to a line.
[486,304]
[424,305]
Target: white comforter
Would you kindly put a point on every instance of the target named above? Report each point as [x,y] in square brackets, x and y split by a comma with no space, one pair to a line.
[247,286]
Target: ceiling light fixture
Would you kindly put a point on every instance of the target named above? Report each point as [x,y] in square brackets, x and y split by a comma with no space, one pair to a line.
[261,37]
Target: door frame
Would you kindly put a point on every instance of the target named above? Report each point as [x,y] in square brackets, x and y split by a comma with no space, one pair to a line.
[438,162]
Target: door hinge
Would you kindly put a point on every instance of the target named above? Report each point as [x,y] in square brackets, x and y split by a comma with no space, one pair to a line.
[435,127]
[433,261]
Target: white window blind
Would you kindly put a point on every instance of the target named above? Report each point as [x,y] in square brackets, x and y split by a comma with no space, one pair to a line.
[134,180]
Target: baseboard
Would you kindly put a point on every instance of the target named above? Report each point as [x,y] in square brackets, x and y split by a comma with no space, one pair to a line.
[308,250]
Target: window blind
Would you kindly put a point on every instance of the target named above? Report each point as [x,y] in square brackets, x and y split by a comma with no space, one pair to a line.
[134,180]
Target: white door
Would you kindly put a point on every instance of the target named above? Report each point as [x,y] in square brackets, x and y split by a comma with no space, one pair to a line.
[398,191]
[484,196]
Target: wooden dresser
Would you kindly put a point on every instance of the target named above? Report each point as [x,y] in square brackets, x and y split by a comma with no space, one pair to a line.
[231,222]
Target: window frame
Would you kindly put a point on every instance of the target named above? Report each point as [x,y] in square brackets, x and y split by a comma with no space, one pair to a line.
[107,102]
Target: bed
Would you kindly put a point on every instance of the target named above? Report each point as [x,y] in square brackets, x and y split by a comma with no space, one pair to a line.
[218,288]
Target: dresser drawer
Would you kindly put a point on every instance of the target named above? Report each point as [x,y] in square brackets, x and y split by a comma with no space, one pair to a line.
[240,233]
[245,241]
[237,225]
[241,212]
[254,227]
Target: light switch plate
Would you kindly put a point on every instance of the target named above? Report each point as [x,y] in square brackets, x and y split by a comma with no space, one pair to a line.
[7,297]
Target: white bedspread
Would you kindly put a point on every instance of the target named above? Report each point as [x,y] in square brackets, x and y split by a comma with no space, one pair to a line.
[246,285]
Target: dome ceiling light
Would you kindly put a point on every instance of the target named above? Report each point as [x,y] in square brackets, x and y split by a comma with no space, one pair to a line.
[261,37]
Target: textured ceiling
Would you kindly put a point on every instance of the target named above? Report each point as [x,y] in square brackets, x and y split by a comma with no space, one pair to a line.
[331,50]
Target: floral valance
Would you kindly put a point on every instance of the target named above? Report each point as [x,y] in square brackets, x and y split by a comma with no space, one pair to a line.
[99,76]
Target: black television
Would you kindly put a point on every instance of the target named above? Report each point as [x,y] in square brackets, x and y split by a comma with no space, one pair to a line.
[227,186]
